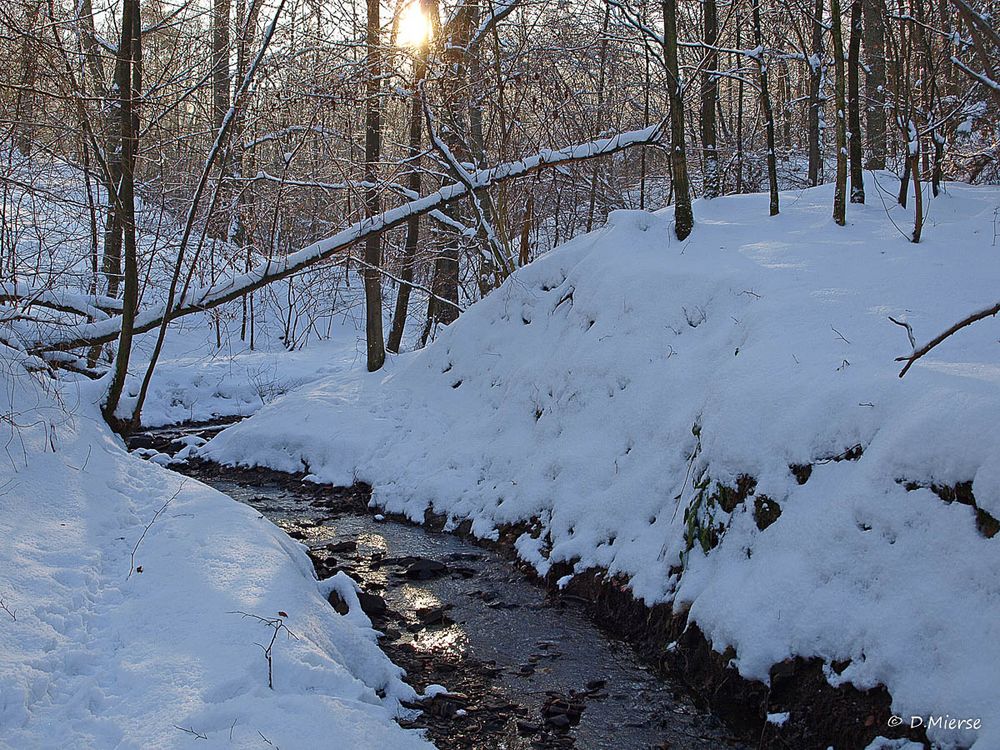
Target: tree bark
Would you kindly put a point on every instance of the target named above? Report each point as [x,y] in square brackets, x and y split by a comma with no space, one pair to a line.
[854,105]
[446,269]
[840,186]
[765,101]
[874,41]
[220,61]
[373,148]
[601,61]
[413,183]
[816,98]
[128,77]
[683,216]
[709,101]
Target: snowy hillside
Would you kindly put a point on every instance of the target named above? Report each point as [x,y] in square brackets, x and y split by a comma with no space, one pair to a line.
[720,421]
[214,364]
[122,591]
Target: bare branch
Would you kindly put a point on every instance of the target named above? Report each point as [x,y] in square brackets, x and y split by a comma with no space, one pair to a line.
[989,312]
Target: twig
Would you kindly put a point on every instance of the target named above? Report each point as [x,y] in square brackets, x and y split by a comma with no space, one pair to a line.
[989,312]
[191,730]
[842,337]
[277,624]
[8,610]
[131,567]
[909,331]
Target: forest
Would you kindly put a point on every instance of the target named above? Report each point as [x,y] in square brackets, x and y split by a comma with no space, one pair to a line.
[686,308]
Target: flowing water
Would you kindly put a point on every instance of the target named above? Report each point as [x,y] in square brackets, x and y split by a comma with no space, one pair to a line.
[523,668]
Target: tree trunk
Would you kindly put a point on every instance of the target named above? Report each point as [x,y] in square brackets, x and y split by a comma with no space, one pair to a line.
[709,99]
[446,269]
[683,217]
[24,108]
[739,110]
[854,105]
[413,183]
[373,148]
[840,186]
[874,40]
[128,77]
[601,62]
[918,198]
[765,101]
[220,61]
[816,98]
[524,257]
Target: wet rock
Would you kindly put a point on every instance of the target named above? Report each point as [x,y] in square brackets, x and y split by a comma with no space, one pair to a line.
[323,569]
[345,546]
[423,569]
[594,685]
[432,615]
[559,722]
[524,727]
[338,603]
[446,705]
[379,560]
[560,713]
[462,557]
[372,605]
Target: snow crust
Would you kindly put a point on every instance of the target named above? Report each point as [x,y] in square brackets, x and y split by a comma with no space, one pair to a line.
[602,384]
[93,657]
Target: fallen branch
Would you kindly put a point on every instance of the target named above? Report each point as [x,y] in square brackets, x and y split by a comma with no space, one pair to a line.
[191,731]
[131,567]
[226,290]
[909,331]
[989,312]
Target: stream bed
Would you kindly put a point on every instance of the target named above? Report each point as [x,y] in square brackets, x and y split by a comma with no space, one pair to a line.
[523,668]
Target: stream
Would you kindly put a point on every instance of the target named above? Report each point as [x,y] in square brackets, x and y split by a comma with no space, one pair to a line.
[524,668]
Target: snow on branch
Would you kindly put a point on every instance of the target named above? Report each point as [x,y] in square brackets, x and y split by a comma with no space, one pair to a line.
[981,77]
[499,13]
[226,290]
[94,306]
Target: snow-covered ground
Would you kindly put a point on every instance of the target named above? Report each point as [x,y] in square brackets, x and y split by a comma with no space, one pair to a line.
[612,388]
[122,585]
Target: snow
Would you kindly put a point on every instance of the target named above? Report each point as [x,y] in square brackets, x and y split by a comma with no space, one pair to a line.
[607,382]
[99,650]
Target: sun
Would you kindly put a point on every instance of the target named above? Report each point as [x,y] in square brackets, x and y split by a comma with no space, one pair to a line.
[414,26]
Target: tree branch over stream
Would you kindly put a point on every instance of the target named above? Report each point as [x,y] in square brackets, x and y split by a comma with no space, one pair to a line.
[226,290]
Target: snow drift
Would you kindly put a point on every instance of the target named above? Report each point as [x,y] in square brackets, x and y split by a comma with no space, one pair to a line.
[122,586]
[654,405]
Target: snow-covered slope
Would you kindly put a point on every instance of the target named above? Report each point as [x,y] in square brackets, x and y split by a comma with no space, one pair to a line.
[611,387]
[218,363]
[92,656]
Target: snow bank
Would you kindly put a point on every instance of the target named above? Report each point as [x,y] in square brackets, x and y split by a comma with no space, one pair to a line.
[93,657]
[610,387]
